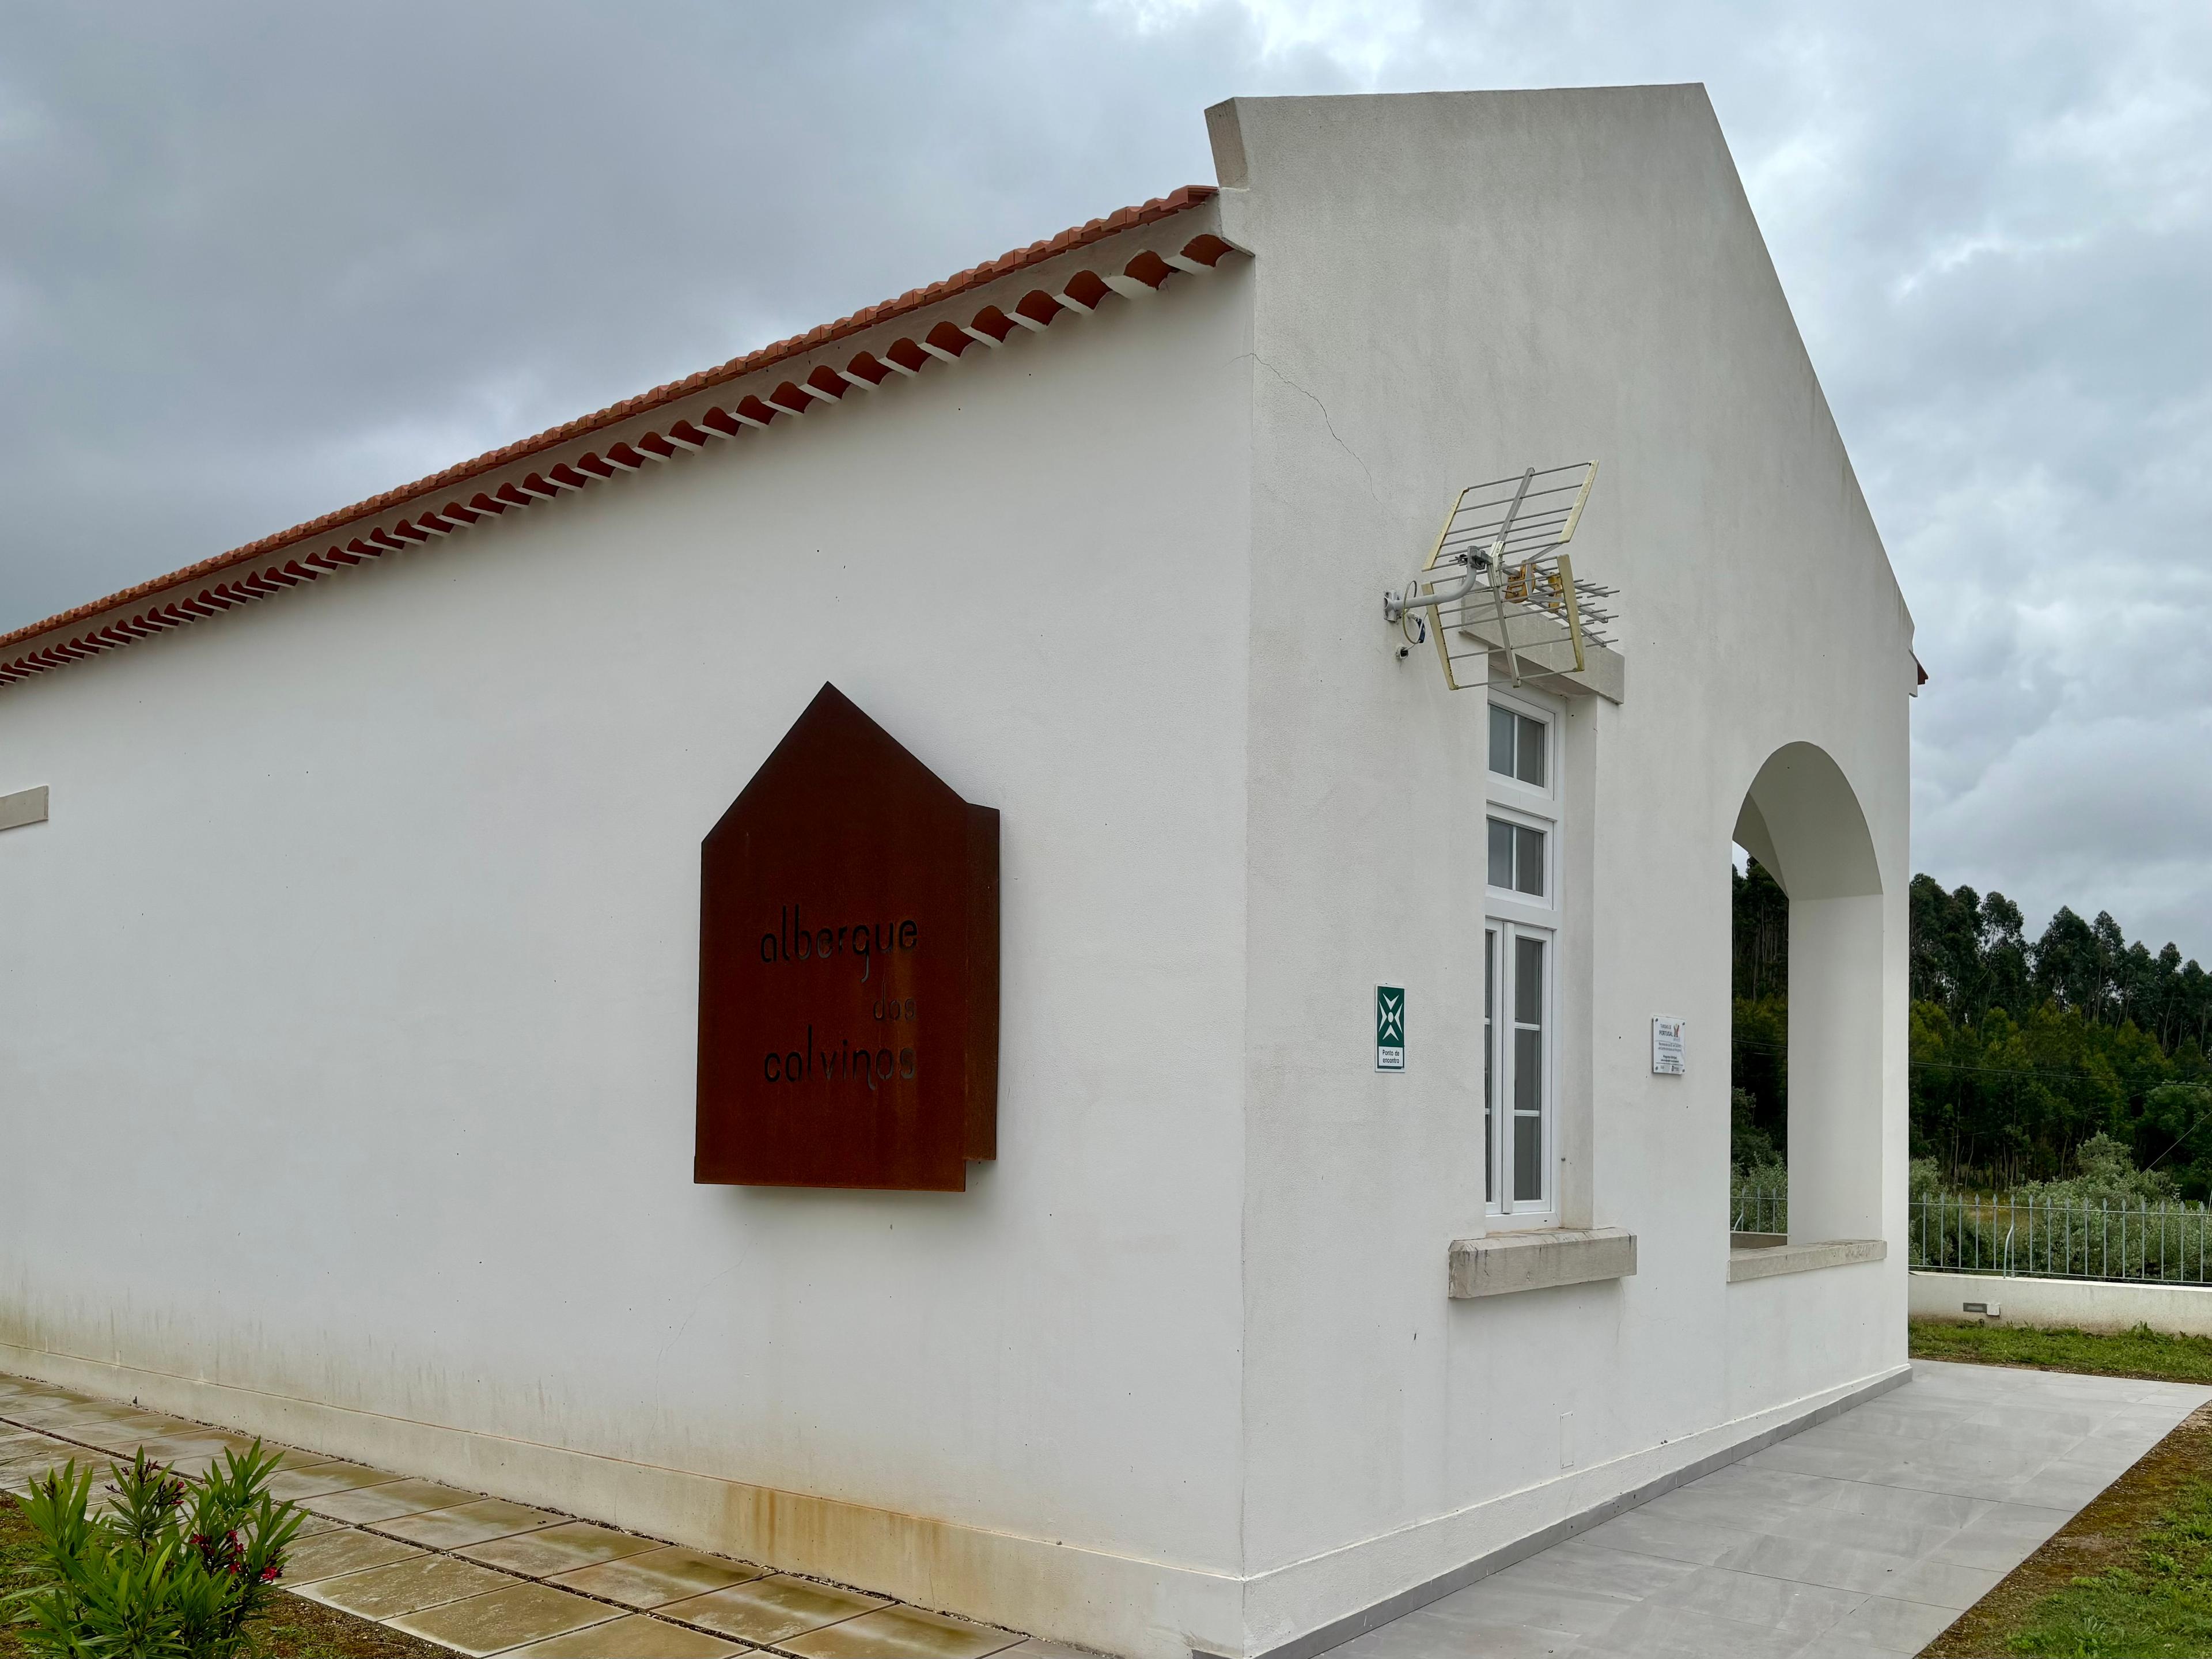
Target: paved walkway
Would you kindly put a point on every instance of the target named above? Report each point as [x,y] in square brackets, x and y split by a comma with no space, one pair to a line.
[1861,1538]
[480,1575]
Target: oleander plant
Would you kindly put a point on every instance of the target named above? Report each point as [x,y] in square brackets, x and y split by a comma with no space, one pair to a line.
[171,1569]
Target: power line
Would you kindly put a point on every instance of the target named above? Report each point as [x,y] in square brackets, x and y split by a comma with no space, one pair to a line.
[2080,1076]
[2178,1139]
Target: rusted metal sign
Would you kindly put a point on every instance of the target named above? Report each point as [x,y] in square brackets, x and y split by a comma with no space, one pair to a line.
[848,969]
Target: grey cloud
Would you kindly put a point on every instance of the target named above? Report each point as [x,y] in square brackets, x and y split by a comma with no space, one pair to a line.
[257,260]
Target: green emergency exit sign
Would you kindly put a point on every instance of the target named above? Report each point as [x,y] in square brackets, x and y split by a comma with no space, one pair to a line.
[1390,1028]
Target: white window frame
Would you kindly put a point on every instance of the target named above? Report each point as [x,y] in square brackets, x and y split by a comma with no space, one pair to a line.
[1509,914]
[1503,1124]
[1513,896]
[1527,709]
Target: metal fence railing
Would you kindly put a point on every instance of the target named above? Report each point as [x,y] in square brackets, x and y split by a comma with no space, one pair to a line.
[2029,1236]
[1758,1209]
[2036,1237]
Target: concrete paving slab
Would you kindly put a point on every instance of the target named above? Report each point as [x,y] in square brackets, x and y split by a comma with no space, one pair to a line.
[2002,1536]
[421,1581]
[504,1619]
[1899,1626]
[902,1633]
[658,1576]
[634,1635]
[386,1501]
[562,1548]
[293,1485]
[1703,1542]
[772,1609]
[1860,1539]
[1784,1606]
[334,1553]
[478,1522]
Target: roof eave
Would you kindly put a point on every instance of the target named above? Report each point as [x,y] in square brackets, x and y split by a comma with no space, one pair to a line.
[1130,255]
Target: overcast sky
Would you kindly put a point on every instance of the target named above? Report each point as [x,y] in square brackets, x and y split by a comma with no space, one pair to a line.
[258,261]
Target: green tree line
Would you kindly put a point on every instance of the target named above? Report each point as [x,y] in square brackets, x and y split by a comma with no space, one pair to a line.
[2022,1050]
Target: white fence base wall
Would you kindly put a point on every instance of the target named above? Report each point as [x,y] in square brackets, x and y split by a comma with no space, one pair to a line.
[2090,1304]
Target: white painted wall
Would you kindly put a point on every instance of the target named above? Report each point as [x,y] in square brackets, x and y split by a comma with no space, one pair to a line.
[2088,1304]
[347,1010]
[351,983]
[1449,288]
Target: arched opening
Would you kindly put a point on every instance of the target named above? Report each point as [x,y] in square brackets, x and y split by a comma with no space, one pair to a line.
[1801,820]
[1758,1057]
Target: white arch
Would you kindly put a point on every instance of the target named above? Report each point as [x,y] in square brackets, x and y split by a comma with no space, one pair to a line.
[1801,819]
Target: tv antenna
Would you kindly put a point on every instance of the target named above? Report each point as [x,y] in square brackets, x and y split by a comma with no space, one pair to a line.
[1499,581]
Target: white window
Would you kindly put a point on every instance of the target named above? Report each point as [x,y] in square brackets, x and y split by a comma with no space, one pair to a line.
[1517,1052]
[1519,950]
[1517,857]
[1519,745]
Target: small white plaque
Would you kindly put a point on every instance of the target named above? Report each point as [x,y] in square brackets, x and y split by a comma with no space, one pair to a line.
[1667,1048]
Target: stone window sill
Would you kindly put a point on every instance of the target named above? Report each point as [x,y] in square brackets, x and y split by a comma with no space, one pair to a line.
[1770,1261]
[1504,1263]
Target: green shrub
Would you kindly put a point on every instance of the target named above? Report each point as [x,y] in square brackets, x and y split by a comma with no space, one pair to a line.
[2104,1173]
[1753,1158]
[175,1569]
[1759,1175]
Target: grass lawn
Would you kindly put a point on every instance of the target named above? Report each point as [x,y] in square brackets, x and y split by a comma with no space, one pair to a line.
[2139,1352]
[294,1628]
[2130,1576]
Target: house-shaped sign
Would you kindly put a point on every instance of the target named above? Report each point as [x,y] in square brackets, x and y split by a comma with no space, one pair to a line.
[848,969]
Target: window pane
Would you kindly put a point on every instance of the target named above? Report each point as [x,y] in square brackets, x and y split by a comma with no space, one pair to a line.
[1501,853]
[1528,1071]
[1528,982]
[1501,739]
[1533,734]
[1528,1127]
[1527,860]
[1489,1061]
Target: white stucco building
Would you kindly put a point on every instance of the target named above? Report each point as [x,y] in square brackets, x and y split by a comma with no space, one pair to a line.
[348,1003]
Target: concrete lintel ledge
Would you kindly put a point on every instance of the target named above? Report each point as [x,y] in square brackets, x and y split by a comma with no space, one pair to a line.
[1774,1259]
[1502,1263]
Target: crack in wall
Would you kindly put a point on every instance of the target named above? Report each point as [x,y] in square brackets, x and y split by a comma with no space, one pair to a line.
[1325,420]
